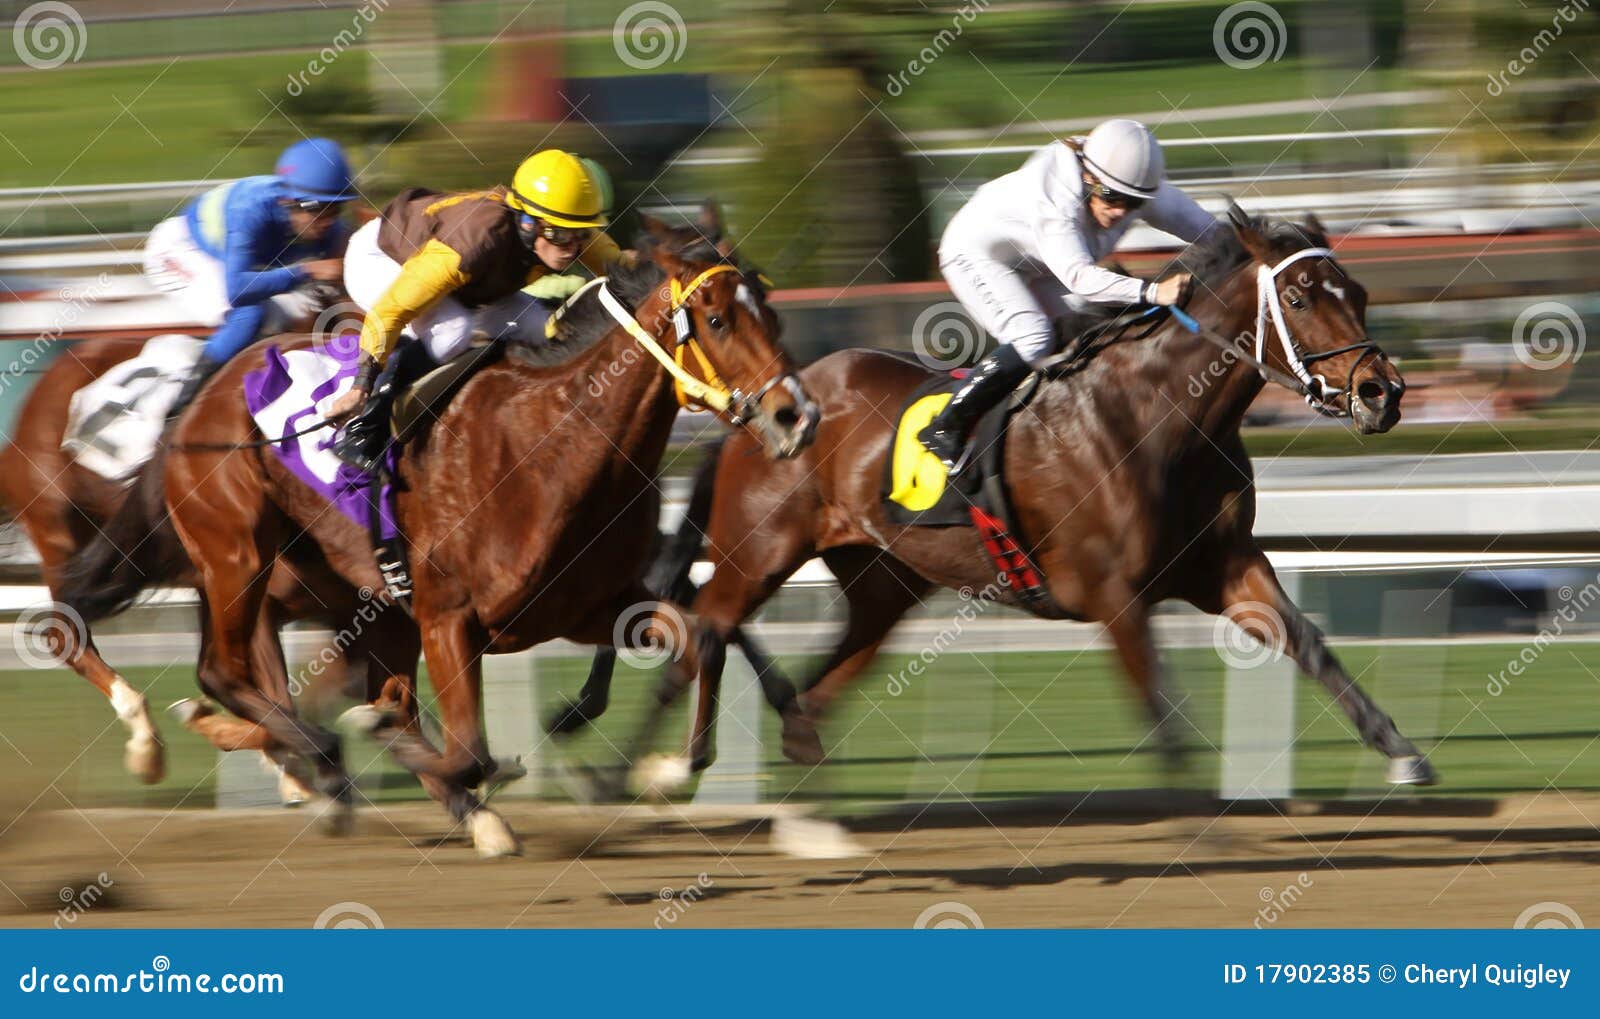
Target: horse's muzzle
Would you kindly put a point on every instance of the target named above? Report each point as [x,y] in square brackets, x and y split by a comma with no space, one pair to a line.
[789,428]
[1375,402]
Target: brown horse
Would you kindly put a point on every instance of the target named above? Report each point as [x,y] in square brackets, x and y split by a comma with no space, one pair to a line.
[62,506]
[529,505]
[1128,477]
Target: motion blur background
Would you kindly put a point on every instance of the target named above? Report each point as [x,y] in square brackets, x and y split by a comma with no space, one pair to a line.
[1448,144]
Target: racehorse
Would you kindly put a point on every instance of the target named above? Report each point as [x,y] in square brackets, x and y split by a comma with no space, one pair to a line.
[62,505]
[1128,478]
[529,504]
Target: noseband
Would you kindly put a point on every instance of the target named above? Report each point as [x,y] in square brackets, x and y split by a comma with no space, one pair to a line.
[1314,386]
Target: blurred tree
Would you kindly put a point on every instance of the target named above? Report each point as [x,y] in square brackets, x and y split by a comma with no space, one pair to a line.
[833,197]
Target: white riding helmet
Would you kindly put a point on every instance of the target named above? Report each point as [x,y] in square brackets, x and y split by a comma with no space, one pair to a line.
[1126,157]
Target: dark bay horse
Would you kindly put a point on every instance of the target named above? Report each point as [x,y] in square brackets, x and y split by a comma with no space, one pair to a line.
[529,505]
[1128,477]
[62,506]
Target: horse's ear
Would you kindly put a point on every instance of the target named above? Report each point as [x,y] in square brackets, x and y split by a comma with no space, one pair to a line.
[1317,232]
[654,227]
[1249,235]
[709,220]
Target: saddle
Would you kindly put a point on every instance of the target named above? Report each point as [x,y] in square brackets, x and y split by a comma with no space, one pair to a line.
[917,490]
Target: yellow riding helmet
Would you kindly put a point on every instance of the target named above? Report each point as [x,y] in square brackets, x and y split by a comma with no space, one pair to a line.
[556,187]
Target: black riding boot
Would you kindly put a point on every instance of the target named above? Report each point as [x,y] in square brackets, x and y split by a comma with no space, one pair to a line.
[203,369]
[991,379]
[362,442]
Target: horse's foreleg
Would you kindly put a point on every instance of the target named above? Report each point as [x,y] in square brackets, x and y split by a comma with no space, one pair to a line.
[454,652]
[1255,601]
[1129,629]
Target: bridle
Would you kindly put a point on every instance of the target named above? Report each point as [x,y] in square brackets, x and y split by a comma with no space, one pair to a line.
[708,391]
[1313,386]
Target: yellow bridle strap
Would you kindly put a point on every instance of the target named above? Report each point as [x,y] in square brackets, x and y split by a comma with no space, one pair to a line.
[680,293]
[714,397]
[686,341]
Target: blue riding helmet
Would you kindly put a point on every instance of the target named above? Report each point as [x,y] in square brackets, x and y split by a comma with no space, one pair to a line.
[315,170]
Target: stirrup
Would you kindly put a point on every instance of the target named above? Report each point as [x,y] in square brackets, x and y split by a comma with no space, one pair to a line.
[394,569]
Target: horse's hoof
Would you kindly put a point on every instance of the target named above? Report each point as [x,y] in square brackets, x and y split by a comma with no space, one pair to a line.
[291,791]
[800,741]
[506,770]
[145,759]
[1412,771]
[362,720]
[337,819]
[658,776]
[491,836]
[809,838]
[189,710]
[567,719]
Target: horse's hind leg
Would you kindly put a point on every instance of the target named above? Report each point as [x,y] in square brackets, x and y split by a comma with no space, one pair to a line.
[68,641]
[879,591]
[1253,599]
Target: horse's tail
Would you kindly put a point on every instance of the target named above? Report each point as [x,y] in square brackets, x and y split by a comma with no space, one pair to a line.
[135,550]
[668,576]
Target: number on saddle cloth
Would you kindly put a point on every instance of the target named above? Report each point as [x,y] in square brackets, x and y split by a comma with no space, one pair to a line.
[114,423]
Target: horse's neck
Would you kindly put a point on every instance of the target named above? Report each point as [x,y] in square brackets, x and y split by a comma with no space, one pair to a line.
[632,396]
[1210,389]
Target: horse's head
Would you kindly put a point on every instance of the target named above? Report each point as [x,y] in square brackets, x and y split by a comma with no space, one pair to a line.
[1311,322]
[727,335]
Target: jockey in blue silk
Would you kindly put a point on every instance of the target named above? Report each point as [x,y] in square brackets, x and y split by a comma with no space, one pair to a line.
[237,255]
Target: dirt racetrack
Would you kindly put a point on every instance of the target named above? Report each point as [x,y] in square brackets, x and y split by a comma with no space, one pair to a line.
[1421,863]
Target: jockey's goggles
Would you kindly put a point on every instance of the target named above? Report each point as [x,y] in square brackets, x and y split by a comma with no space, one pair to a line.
[315,206]
[561,236]
[1115,199]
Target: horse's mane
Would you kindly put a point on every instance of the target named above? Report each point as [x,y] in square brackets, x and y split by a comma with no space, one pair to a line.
[1210,260]
[585,321]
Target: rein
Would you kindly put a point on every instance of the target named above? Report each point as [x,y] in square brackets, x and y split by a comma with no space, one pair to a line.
[709,392]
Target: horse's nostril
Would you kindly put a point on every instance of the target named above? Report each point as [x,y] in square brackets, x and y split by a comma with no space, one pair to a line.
[1372,393]
[786,417]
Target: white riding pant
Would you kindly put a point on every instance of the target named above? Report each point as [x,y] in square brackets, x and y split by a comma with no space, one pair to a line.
[175,265]
[1012,306]
[447,327]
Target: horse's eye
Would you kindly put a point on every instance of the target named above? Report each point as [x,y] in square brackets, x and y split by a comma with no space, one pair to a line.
[714,321]
[1296,303]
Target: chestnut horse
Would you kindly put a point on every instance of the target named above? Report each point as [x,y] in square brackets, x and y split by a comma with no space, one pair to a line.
[529,505]
[62,506]
[1127,474]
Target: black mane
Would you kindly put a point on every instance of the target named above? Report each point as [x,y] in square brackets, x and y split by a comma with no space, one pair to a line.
[585,321]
